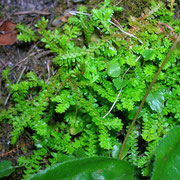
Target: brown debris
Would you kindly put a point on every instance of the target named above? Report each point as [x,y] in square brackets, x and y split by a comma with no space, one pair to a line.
[8,35]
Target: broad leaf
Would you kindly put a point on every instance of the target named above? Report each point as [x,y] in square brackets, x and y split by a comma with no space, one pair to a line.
[117,148]
[114,70]
[6,168]
[156,100]
[167,162]
[92,168]
[119,83]
[132,113]
[148,54]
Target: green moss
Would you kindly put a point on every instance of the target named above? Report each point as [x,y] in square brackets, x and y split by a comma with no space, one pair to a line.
[131,8]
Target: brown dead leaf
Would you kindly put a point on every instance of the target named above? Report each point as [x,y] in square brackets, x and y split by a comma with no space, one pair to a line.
[7,32]
[65,17]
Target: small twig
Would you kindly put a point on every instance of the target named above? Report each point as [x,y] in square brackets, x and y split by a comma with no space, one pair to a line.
[32,12]
[15,149]
[113,104]
[147,92]
[76,12]
[43,53]
[2,62]
[118,3]
[118,93]
[20,76]
[117,25]
[131,35]
[6,101]
[21,147]
[166,25]
[48,69]
[30,55]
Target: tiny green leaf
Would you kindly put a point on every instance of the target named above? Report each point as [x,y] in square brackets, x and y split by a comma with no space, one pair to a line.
[6,168]
[114,70]
[75,130]
[148,54]
[167,153]
[119,83]
[156,101]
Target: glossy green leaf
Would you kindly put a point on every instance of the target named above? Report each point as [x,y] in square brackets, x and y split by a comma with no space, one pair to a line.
[148,54]
[117,148]
[167,162]
[119,83]
[156,101]
[114,70]
[132,113]
[80,153]
[91,168]
[6,168]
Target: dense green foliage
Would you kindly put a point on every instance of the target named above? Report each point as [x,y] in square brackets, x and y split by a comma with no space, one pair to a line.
[167,164]
[66,112]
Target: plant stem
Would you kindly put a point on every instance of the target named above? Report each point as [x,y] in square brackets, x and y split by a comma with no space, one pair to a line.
[147,92]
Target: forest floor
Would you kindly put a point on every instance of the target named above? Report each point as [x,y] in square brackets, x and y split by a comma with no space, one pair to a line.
[20,58]
[24,57]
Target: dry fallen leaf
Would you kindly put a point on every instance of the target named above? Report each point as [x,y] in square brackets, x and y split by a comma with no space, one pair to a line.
[7,32]
[65,17]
